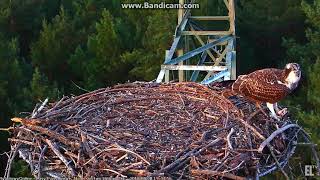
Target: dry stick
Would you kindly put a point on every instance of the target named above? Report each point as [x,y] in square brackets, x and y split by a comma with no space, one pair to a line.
[217,173]
[254,114]
[228,138]
[7,129]
[56,105]
[130,166]
[59,113]
[274,134]
[122,157]
[306,144]
[74,99]
[110,170]
[54,135]
[270,147]
[12,155]
[237,167]
[214,131]
[61,157]
[78,158]
[22,141]
[30,163]
[251,128]
[193,153]
[221,162]
[96,93]
[183,173]
[277,162]
[141,172]
[138,99]
[55,175]
[249,141]
[86,147]
[8,167]
[85,90]
[118,149]
[44,149]
[40,108]
[181,159]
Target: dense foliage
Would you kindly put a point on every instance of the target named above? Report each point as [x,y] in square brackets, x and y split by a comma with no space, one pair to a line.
[51,48]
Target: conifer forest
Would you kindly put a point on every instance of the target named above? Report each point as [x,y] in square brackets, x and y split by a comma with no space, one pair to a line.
[52,48]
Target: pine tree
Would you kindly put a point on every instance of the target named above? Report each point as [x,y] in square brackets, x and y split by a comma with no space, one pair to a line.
[40,88]
[54,47]
[157,37]
[104,67]
[12,78]
[261,25]
[307,102]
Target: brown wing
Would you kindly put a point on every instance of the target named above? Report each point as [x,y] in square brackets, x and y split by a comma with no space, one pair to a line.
[262,86]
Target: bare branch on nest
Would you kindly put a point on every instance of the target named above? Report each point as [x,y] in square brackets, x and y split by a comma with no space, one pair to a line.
[40,108]
[274,134]
[61,157]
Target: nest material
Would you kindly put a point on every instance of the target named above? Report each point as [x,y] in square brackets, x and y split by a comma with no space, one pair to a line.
[174,130]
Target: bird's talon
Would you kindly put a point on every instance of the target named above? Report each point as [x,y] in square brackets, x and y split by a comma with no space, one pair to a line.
[282,112]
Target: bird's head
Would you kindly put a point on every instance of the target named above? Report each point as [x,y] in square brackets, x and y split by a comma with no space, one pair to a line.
[293,75]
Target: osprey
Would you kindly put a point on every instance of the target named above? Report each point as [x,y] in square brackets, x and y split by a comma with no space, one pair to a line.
[269,86]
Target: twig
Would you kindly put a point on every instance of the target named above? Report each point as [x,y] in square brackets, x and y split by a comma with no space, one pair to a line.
[228,138]
[22,141]
[277,162]
[80,87]
[221,162]
[181,159]
[113,171]
[40,108]
[54,135]
[274,134]
[86,147]
[7,129]
[176,165]
[43,150]
[130,166]
[217,173]
[252,129]
[12,155]
[61,157]
[306,144]
[118,149]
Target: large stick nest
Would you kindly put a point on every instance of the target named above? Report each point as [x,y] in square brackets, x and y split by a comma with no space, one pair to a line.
[177,130]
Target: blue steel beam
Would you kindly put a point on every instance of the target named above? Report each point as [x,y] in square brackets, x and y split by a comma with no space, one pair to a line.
[181,26]
[195,74]
[198,50]
[177,37]
[175,43]
[216,77]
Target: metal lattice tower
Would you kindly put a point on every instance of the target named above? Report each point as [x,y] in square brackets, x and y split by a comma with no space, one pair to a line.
[217,53]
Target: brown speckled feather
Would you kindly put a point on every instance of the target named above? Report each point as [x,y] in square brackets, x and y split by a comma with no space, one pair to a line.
[262,85]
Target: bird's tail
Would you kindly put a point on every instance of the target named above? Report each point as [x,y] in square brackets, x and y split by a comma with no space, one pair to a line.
[222,84]
[225,87]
